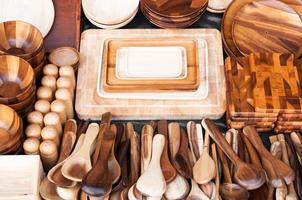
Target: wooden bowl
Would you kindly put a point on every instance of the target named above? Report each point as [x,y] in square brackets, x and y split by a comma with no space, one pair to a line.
[20,39]
[25,103]
[17,77]
[37,59]
[39,69]
[64,56]
[14,142]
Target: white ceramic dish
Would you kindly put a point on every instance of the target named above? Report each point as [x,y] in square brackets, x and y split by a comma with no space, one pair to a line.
[110,12]
[199,94]
[114,26]
[151,62]
[218,6]
[39,13]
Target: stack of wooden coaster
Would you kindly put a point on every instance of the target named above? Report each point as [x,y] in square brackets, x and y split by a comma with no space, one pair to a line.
[263,90]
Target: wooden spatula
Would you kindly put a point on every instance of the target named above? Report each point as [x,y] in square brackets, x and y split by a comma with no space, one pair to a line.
[152,181]
[276,170]
[77,166]
[146,146]
[167,168]
[98,181]
[247,175]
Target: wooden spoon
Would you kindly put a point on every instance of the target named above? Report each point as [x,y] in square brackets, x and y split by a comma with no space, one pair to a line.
[113,165]
[77,166]
[146,146]
[247,175]
[204,169]
[167,168]
[276,170]
[55,175]
[178,188]
[291,190]
[193,140]
[297,141]
[134,153]
[217,177]
[174,140]
[152,181]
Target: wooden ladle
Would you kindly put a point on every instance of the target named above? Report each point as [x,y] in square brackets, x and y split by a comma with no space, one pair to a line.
[98,181]
[152,181]
[204,169]
[77,166]
[276,170]
[247,175]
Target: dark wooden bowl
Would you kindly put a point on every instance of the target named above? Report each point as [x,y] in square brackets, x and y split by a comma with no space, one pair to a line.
[39,69]
[20,39]
[37,59]
[21,106]
[17,78]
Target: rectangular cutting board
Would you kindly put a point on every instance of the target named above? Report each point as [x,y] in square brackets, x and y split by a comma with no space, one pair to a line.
[89,105]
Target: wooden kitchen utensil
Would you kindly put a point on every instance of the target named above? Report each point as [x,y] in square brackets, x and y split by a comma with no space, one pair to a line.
[297,141]
[247,175]
[134,153]
[217,177]
[49,154]
[174,139]
[51,70]
[113,165]
[64,56]
[98,181]
[192,136]
[178,188]
[76,167]
[204,169]
[277,171]
[152,181]
[146,146]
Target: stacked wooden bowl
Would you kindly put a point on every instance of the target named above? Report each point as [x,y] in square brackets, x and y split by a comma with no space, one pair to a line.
[25,41]
[110,14]
[17,86]
[173,13]
[11,128]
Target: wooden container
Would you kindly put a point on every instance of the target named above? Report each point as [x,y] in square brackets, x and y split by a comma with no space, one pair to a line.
[20,177]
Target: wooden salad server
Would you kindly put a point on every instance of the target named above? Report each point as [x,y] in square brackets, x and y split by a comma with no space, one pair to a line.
[146,146]
[276,170]
[134,153]
[167,168]
[291,189]
[77,165]
[69,138]
[98,181]
[152,181]
[247,175]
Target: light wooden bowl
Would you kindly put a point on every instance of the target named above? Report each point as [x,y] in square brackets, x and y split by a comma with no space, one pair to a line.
[37,59]
[64,56]
[25,103]
[17,79]
[20,39]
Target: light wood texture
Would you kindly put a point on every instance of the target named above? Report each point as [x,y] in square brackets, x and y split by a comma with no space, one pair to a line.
[66,82]
[178,188]
[49,154]
[49,81]
[247,175]
[218,6]
[33,130]
[204,169]
[51,133]
[259,35]
[152,181]
[42,106]
[146,146]
[38,13]
[217,178]
[134,153]
[51,70]
[64,94]
[277,171]
[64,56]
[76,167]
[45,93]
[48,190]
[31,146]
[59,107]
[297,141]
[69,72]
[53,119]
[90,105]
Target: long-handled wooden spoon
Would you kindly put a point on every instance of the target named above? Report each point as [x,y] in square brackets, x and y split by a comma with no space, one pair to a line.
[297,141]
[77,166]
[167,168]
[152,181]
[193,140]
[69,137]
[146,146]
[113,165]
[276,170]
[134,153]
[98,181]
[247,175]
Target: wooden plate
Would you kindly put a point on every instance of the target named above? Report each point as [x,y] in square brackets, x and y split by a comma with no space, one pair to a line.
[228,18]
[267,26]
[36,12]
[112,83]
[89,105]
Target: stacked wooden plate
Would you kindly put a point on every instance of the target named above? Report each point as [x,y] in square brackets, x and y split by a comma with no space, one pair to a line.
[25,41]
[17,86]
[218,6]
[264,91]
[250,26]
[151,74]
[173,13]
[11,128]
[110,14]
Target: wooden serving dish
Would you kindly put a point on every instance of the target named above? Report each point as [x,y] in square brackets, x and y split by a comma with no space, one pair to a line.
[113,84]
[89,105]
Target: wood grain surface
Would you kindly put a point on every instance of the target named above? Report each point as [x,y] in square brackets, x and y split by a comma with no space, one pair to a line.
[90,105]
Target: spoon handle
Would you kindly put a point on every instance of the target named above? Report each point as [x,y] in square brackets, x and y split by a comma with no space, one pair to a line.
[157,148]
[91,134]
[174,138]
[216,135]
[68,142]
[225,166]
[146,146]
[251,151]
[134,153]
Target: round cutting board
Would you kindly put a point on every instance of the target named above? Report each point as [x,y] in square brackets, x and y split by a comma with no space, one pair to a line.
[267,26]
[39,13]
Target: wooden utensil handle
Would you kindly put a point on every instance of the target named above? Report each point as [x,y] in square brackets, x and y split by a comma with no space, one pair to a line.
[206,142]
[91,134]
[225,166]
[67,144]
[252,152]
[251,133]
[216,135]
[157,147]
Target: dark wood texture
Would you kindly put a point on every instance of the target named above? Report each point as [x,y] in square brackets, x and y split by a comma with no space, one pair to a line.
[146,146]
[113,165]
[247,175]
[276,170]
[66,29]
[97,181]
[134,153]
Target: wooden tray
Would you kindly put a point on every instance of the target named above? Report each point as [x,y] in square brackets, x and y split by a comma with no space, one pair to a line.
[113,84]
[66,29]
[89,105]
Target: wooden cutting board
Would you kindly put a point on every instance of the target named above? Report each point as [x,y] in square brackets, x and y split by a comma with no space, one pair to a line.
[89,105]
[113,84]
[66,29]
